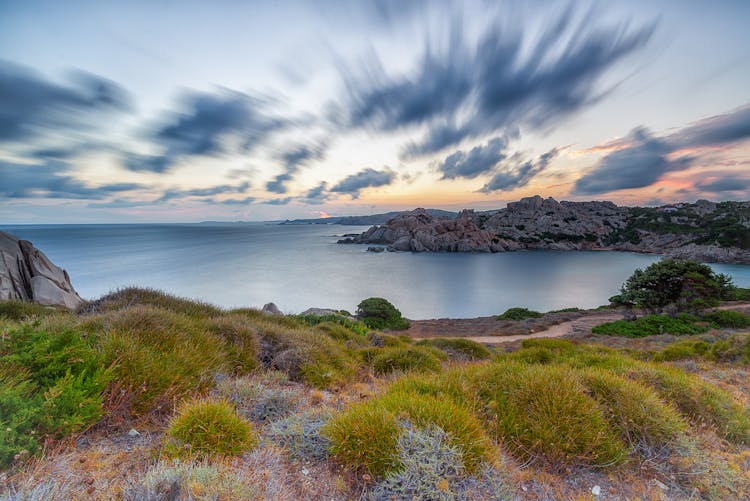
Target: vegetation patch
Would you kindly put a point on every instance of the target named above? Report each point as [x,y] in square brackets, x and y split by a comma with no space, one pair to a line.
[412,358]
[50,386]
[518,314]
[652,325]
[207,427]
[300,434]
[728,319]
[458,348]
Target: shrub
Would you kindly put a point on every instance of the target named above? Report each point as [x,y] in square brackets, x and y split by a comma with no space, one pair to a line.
[257,402]
[433,470]
[301,434]
[345,321]
[205,427]
[379,313]
[50,386]
[366,434]
[736,348]
[458,348]
[739,294]
[676,283]
[682,350]
[305,355]
[518,314]
[544,413]
[728,319]
[405,359]
[132,296]
[340,333]
[240,340]
[636,411]
[158,354]
[651,325]
[699,400]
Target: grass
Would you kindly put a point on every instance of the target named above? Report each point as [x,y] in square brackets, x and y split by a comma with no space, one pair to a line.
[519,314]
[207,427]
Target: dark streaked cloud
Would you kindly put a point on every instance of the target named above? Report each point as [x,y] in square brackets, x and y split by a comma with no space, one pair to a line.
[204,192]
[52,179]
[293,159]
[479,160]
[647,158]
[206,126]
[366,178]
[278,201]
[31,105]
[317,195]
[509,79]
[517,173]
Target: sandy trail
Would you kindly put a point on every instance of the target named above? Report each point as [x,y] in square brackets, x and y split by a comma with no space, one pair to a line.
[577,326]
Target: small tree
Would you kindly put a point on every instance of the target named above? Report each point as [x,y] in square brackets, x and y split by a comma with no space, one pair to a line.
[676,285]
[379,313]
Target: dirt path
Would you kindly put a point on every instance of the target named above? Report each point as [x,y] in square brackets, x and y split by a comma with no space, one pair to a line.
[459,327]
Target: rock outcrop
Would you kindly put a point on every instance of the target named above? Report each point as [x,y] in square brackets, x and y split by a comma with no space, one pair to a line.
[27,274]
[707,231]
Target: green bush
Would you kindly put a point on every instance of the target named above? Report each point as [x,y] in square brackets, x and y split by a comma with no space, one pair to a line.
[543,412]
[51,385]
[651,325]
[416,358]
[738,294]
[518,314]
[379,313]
[458,348]
[682,350]
[340,333]
[354,326]
[365,435]
[205,427]
[239,337]
[680,284]
[728,319]
[736,348]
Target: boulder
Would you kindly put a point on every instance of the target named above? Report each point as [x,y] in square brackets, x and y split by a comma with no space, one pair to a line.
[26,274]
[272,309]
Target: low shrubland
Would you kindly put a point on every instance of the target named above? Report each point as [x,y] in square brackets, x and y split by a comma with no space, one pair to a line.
[652,325]
[458,349]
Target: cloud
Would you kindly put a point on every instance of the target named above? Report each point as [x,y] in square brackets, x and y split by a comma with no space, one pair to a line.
[206,126]
[366,178]
[31,105]
[722,184]
[52,180]
[278,201]
[479,160]
[647,158]
[204,192]
[518,173]
[509,79]
[293,159]
[317,195]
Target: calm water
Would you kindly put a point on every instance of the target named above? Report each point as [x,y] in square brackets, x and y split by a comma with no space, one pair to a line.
[298,267]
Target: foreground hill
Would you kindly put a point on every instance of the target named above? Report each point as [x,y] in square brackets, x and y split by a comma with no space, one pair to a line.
[705,231]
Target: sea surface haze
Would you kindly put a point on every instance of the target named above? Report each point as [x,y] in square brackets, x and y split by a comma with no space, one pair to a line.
[301,266]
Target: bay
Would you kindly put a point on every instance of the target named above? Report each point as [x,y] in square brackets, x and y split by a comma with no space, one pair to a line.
[301,266]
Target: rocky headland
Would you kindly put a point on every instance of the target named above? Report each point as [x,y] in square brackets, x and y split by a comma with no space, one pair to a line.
[26,274]
[705,231]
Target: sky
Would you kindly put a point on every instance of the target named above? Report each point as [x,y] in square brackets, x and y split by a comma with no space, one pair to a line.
[185,111]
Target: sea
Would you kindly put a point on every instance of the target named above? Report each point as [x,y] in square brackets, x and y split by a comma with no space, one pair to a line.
[301,266]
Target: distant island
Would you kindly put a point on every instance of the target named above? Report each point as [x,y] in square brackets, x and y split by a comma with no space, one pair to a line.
[368,219]
[705,231]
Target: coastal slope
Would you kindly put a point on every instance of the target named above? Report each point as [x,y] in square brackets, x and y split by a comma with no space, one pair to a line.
[706,231]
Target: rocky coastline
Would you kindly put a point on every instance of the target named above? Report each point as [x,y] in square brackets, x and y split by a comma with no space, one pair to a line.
[704,231]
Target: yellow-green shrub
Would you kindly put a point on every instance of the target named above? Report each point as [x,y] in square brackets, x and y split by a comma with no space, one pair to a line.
[412,358]
[206,427]
[458,348]
[240,339]
[132,296]
[366,434]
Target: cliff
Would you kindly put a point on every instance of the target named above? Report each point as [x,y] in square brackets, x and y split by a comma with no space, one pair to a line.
[26,274]
[706,231]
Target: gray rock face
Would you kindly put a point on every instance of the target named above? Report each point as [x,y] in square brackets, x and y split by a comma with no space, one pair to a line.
[681,230]
[271,308]
[26,274]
